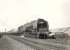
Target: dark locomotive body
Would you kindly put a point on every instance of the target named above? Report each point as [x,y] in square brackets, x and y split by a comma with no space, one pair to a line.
[36,29]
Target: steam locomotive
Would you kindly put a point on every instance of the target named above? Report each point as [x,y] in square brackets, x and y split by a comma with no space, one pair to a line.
[36,29]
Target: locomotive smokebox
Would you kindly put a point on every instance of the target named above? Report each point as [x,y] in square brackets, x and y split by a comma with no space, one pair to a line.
[42,25]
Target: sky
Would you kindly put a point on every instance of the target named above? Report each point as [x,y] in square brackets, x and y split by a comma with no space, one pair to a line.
[14,13]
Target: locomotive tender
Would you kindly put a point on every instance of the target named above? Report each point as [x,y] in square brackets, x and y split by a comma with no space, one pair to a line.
[35,29]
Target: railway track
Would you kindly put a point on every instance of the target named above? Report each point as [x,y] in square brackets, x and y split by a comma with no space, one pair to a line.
[26,42]
[40,45]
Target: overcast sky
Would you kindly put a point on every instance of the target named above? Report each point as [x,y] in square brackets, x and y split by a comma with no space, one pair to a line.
[14,13]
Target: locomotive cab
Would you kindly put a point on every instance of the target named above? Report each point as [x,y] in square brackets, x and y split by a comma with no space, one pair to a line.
[42,25]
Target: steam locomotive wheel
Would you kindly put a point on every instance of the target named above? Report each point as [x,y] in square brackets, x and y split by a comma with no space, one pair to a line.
[42,36]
